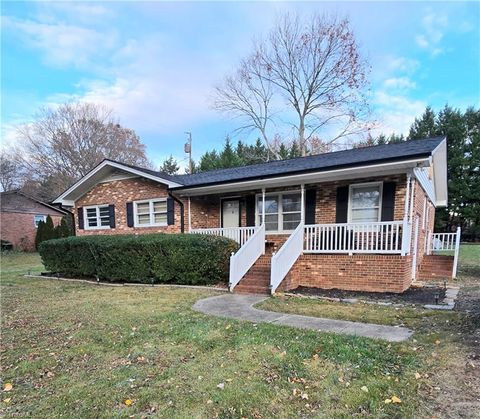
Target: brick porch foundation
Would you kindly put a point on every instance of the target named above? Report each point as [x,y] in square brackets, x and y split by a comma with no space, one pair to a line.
[371,273]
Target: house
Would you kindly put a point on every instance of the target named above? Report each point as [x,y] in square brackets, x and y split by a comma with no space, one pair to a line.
[359,219]
[19,218]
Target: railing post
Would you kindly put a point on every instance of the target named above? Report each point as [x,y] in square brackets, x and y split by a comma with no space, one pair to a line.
[232,272]
[457,251]
[405,238]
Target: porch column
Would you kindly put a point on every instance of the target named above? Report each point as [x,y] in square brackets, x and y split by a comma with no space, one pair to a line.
[263,205]
[302,207]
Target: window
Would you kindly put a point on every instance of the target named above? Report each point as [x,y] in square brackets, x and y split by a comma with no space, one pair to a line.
[38,218]
[283,212]
[151,213]
[365,203]
[97,217]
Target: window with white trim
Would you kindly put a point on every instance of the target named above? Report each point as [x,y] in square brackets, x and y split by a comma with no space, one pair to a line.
[150,213]
[97,217]
[365,203]
[37,218]
[283,211]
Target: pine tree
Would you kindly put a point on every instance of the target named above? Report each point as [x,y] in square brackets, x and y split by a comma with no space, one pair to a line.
[424,127]
[40,236]
[170,166]
[63,229]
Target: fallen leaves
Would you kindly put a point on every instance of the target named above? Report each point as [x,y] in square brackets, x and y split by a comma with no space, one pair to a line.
[8,387]
[418,376]
[364,388]
[393,399]
[221,386]
[128,402]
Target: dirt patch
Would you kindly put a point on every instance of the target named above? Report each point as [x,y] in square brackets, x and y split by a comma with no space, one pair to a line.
[414,295]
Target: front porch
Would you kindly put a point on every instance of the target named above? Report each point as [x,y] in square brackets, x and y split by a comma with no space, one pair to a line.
[367,234]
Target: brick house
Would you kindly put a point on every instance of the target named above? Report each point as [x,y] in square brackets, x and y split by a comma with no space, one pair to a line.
[358,219]
[19,218]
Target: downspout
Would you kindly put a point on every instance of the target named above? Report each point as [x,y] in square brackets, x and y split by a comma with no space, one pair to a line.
[182,211]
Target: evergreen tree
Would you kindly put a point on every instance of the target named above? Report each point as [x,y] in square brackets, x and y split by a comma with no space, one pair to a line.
[170,166]
[425,126]
[40,236]
[228,156]
[463,160]
[63,229]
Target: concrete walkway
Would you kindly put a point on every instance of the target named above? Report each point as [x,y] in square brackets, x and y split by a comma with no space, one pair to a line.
[239,307]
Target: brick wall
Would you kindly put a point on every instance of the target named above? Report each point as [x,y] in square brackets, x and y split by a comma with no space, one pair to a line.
[19,228]
[373,273]
[120,192]
[325,211]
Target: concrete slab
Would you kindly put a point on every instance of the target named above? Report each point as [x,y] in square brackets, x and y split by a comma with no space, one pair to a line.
[240,307]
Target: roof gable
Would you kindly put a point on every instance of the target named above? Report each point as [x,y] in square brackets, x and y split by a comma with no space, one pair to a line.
[103,170]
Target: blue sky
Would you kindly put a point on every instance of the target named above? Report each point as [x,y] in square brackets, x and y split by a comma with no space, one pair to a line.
[155,63]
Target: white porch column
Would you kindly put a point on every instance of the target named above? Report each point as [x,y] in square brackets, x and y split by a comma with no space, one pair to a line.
[263,205]
[406,236]
[302,207]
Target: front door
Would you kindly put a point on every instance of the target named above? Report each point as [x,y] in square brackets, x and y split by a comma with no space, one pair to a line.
[230,213]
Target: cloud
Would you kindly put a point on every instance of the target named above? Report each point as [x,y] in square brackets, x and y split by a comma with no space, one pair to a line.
[62,44]
[434,26]
[399,83]
[397,111]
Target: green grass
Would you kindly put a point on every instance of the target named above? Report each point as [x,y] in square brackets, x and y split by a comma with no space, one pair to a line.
[80,350]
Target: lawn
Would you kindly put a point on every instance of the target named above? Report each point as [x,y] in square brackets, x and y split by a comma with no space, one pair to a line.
[79,350]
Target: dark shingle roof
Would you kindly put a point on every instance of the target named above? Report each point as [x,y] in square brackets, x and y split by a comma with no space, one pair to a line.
[320,162]
[316,163]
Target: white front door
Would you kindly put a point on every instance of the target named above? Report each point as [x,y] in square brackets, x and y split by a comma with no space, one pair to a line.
[231,213]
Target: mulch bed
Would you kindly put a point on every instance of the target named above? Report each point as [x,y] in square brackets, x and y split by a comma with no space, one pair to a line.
[414,295]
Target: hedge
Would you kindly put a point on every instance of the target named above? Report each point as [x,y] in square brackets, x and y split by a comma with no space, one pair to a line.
[189,259]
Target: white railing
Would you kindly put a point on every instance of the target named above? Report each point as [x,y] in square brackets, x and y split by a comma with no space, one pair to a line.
[246,256]
[445,242]
[283,260]
[380,237]
[239,234]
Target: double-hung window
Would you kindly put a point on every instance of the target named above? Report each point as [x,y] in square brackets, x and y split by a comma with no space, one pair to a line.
[365,203]
[97,217]
[283,211]
[38,218]
[150,213]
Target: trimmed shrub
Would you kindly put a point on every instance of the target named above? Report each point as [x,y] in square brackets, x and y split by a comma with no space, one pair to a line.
[189,259]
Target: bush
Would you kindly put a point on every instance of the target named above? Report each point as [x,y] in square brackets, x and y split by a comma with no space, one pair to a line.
[189,259]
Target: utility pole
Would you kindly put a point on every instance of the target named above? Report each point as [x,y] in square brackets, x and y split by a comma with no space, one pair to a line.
[188,150]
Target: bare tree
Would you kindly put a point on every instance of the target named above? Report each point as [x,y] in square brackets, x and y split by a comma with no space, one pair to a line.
[11,171]
[316,68]
[63,144]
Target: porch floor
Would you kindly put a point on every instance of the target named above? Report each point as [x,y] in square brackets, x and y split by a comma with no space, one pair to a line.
[241,307]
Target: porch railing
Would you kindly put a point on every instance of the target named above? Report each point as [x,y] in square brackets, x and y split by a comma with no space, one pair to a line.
[246,256]
[379,237]
[445,242]
[283,260]
[239,234]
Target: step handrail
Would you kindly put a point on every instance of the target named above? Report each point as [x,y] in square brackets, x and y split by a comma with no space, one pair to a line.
[246,256]
[284,259]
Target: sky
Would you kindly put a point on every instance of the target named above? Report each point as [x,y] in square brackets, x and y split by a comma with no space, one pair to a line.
[156,63]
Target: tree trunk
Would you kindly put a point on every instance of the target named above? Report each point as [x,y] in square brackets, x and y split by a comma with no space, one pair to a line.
[301,136]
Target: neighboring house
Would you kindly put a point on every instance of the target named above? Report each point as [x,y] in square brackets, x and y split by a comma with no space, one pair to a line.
[19,218]
[359,219]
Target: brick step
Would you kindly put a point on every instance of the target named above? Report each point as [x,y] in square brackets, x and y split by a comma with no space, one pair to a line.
[251,290]
[254,281]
